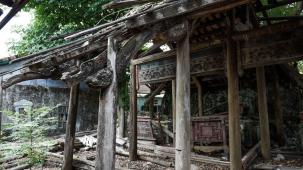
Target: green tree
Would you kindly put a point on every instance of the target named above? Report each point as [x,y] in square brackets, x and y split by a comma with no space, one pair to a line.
[30,130]
[55,17]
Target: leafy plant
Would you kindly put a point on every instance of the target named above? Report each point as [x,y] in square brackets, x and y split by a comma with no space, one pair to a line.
[53,18]
[29,129]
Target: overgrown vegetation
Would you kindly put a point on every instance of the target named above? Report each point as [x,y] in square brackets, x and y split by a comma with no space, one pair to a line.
[27,133]
[53,18]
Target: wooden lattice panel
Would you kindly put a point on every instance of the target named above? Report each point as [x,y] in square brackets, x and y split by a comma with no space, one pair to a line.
[270,49]
[207,130]
[204,62]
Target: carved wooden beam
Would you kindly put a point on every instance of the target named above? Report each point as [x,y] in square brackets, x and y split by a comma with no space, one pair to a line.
[22,77]
[272,49]
[131,49]
[94,68]
[169,31]
[267,30]
[87,68]
[155,92]
[275,48]
[101,79]
[182,8]
[207,61]
[59,57]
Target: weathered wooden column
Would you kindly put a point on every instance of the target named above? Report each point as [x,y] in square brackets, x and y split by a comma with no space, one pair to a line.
[133,116]
[263,113]
[173,83]
[183,128]
[70,127]
[278,109]
[106,132]
[121,130]
[151,108]
[233,107]
[200,96]
[1,105]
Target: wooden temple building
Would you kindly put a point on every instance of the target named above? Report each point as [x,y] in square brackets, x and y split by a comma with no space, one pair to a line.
[207,39]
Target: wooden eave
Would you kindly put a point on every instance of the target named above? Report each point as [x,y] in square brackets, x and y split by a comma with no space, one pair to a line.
[209,21]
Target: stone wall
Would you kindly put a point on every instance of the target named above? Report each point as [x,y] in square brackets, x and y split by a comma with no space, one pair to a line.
[52,96]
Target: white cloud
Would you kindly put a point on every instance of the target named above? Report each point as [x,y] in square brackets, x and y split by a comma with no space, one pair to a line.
[22,19]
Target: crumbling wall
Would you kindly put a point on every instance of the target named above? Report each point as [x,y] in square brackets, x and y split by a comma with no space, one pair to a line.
[52,96]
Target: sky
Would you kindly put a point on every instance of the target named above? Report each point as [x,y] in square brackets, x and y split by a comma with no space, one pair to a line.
[22,19]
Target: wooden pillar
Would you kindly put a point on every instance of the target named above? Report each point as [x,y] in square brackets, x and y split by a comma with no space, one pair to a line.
[1,105]
[278,109]
[233,107]
[263,113]
[133,116]
[106,132]
[121,130]
[174,109]
[200,96]
[151,108]
[183,128]
[70,127]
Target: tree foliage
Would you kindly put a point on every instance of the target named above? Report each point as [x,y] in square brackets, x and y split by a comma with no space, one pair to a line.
[30,130]
[286,10]
[55,17]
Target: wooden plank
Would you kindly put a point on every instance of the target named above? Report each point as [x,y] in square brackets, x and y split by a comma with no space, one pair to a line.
[106,138]
[154,57]
[183,8]
[124,3]
[267,30]
[183,137]
[99,27]
[264,166]
[233,107]
[221,7]
[250,156]
[133,116]
[155,92]
[263,113]
[70,127]
[170,152]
